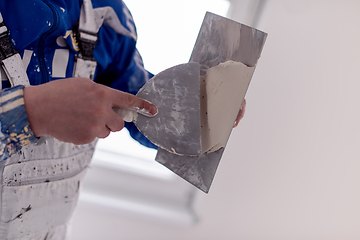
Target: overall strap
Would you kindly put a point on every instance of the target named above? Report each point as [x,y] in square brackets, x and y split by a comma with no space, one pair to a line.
[85,64]
[10,59]
[89,25]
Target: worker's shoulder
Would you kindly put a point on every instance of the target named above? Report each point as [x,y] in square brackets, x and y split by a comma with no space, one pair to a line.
[122,12]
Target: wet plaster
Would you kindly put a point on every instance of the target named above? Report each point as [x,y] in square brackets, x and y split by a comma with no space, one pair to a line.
[222,90]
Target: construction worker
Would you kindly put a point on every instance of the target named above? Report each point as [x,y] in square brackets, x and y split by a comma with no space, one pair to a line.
[65,66]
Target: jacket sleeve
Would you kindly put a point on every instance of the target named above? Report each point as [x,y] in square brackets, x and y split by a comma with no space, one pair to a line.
[15,130]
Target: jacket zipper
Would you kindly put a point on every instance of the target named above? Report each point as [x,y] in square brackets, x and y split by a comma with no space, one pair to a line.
[41,49]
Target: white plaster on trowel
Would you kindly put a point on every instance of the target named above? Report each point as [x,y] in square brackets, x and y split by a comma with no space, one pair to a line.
[222,91]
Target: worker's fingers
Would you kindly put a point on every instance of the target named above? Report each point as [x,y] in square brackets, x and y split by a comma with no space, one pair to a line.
[104,132]
[129,101]
[115,123]
[240,114]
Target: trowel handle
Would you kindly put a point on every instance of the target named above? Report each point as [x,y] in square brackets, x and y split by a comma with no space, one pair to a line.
[127,114]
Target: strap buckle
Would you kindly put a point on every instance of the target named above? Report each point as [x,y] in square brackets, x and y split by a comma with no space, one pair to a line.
[87,42]
[6,47]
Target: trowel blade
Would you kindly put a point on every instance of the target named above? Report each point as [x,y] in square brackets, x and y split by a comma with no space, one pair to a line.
[219,40]
[176,93]
[197,170]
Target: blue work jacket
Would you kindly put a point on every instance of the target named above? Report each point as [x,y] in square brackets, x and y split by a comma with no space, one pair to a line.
[43,32]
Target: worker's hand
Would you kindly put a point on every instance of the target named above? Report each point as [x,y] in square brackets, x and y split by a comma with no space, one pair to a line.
[240,114]
[77,110]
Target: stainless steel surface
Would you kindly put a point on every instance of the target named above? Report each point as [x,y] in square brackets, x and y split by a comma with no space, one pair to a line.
[176,92]
[197,170]
[219,40]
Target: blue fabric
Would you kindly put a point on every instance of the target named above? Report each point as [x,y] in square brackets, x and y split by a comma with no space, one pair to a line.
[15,129]
[36,25]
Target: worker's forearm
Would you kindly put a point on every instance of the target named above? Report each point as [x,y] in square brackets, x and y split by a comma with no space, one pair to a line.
[78,110]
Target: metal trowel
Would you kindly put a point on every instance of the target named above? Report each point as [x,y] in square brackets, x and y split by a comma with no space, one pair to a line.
[219,40]
[178,93]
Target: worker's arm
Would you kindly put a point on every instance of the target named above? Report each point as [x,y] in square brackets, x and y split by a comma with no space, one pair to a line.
[77,110]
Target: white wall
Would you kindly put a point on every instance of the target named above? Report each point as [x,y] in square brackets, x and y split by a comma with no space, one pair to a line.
[291,169]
